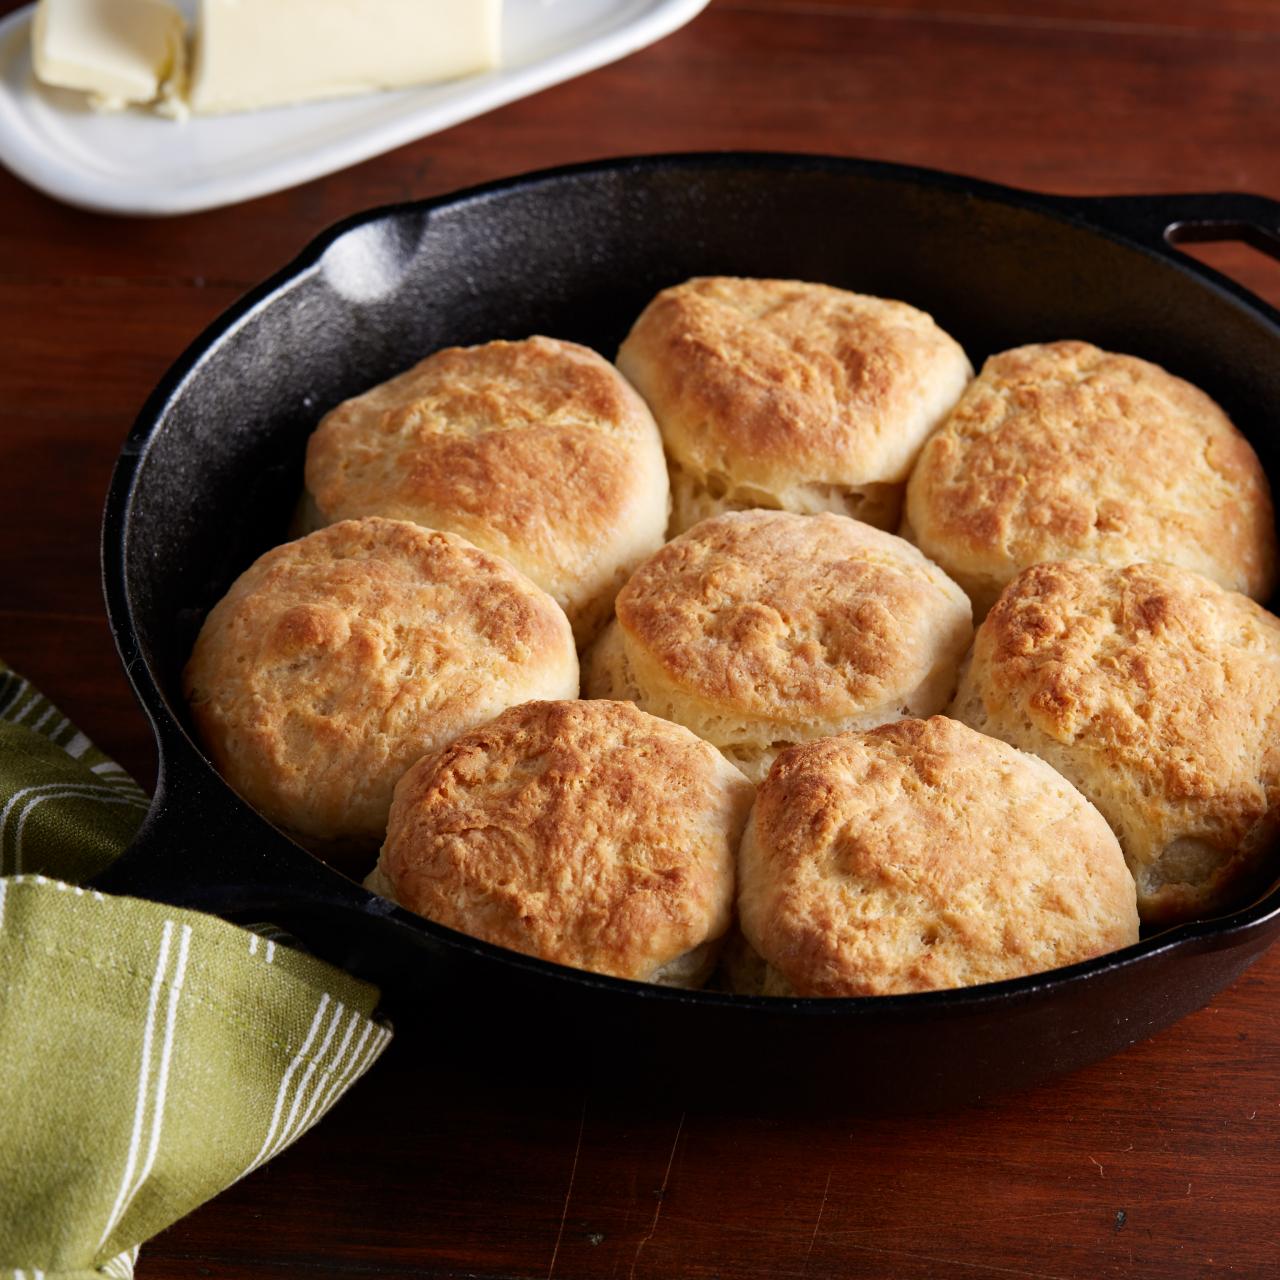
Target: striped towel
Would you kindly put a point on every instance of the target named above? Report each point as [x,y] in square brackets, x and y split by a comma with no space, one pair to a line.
[151,1056]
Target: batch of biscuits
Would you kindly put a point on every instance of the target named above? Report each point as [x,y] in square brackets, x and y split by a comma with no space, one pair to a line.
[668,669]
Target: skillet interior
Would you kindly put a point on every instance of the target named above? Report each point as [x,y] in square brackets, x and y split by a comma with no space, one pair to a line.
[211,471]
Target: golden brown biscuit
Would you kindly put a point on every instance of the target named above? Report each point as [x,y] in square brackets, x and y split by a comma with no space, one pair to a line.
[923,855]
[538,451]
[757,629]
[778,393]
[1064,451]
[586,833]
[334,662]
[1158,694]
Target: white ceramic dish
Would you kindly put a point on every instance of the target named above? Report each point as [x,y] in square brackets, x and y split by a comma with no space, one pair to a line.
[133,162]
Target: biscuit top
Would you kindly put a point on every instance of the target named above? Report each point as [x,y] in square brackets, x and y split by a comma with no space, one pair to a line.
[1157,691]
[922,855]
[536,450]
[790,618]
[781,382]
[333,662]
[587,833]
[1062,450]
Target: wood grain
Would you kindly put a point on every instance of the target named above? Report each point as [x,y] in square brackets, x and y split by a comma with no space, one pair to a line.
[1163,1162]
[1059,105]
[1133,1167]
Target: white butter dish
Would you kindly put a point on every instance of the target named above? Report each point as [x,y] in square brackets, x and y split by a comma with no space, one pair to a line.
[134,162]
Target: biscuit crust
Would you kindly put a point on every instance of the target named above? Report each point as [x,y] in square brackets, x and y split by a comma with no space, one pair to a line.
[335,661]
[762,628]
[538,451]
[586,833]
[1063,451]
[1157,693]
[785,394]
[922,855]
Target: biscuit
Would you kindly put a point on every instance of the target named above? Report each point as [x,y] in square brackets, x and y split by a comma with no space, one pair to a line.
[923,855]
[1063,451]
[1157,693]
[758,629]
[334,662]
[538,451]
[585,833]
[801,397]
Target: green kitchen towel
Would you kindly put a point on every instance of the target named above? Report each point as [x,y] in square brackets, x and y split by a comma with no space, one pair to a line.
[149,1056]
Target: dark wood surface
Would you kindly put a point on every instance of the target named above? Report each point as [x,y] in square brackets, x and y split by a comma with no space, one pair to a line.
[1162,1162]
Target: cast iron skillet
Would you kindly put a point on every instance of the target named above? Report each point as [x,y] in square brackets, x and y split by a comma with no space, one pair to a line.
[208,476]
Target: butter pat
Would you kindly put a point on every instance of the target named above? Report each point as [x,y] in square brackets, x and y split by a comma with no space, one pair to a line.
[117,51]
[259,53]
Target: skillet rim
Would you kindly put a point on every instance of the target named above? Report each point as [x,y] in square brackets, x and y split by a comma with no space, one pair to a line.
[1117,218]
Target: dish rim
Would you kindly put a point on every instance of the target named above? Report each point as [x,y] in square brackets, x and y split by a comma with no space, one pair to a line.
[57,175]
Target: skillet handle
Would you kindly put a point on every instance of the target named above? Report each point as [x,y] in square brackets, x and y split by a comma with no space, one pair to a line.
[1162,220]
[202,848]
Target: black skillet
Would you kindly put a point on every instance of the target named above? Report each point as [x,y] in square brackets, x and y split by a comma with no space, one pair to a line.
[210,472]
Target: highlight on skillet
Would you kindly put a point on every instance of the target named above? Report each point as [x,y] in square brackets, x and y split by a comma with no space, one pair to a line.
[1117,754]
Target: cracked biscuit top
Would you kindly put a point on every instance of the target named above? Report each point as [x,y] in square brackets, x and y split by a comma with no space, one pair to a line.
[923,855]
[538,451]
[586,833]
[787,394]
[335,661]
[1158,694]
[1062,451]
[761,628]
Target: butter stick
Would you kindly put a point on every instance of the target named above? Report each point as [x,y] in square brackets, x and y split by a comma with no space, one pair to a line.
[117,51]
[259,53]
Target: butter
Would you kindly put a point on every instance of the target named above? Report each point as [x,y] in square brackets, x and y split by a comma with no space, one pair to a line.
[117,51]
[260,53]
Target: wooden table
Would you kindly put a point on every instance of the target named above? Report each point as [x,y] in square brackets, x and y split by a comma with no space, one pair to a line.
[1162,1162]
